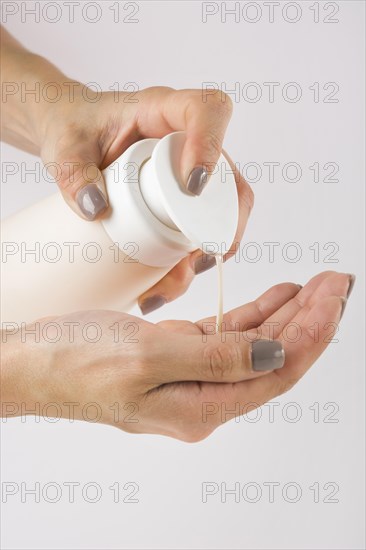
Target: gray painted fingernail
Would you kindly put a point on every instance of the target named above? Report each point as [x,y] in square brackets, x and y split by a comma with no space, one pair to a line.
[197,180]
[91,201]
[352,279]
[204,262]
[344,303]
[267,355]
[152,303]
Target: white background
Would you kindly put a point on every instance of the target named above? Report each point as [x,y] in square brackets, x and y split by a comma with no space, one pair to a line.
[170,45]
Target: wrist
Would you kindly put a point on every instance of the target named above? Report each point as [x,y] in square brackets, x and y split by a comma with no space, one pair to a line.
[33,96]
[19,368]
[51,89]
[30,87]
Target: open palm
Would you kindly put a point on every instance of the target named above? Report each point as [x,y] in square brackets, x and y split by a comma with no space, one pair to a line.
[306,321]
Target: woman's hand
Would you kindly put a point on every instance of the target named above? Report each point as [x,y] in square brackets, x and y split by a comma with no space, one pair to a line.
[79,132]
[90,136]
[174,378]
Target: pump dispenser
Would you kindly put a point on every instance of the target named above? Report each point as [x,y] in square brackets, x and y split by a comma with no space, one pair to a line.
[54,262]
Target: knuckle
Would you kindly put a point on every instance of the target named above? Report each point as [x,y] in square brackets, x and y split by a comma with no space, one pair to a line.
[221,103]
[226,104]
[297,300]
[180,278]
[231,324]
[156,91]
[70,176]
[72,172]
[259,312]
[222,360]
[285,385]
[212,144]
[307,333]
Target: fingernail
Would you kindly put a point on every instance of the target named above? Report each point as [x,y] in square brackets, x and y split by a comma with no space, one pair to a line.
[300,287]
[204,262]
[152,303]
[91,201]
[344,303]
[197,180]
[267,355]
[352,279]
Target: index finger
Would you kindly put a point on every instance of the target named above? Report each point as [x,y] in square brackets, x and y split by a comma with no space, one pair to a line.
[204,117]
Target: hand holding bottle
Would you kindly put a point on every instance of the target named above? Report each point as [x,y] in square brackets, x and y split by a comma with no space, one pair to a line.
[83,132]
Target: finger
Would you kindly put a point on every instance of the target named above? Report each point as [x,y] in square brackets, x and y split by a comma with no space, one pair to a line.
[325,284]
[240,398]
[79,177]
[204,118]
[207,117]
[336,285]
[209,358]
[246,203]
[242,318]
[301,354]
[254,313]
[172,285]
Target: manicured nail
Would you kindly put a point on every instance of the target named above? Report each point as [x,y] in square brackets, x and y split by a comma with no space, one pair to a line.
[151,303]
[344,303]
[204,262]
[91,201]
[197,180]
[267,355]
[352,279]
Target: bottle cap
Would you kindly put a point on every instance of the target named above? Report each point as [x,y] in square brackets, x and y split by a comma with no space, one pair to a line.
[153,213]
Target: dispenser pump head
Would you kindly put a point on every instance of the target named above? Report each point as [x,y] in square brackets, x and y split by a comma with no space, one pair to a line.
[208,220]
[155,210]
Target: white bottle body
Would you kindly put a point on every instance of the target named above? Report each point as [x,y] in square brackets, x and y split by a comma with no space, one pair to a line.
[75,266]
[54,262]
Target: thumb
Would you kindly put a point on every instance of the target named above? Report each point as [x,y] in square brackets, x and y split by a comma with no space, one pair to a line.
[81,182]
[212,358]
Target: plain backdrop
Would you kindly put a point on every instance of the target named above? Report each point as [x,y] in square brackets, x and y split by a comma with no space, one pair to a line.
[170,45]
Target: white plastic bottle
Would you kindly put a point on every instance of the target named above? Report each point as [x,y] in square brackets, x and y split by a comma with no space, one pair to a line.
[54,262]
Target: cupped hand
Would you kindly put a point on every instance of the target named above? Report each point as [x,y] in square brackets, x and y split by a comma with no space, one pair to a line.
[178,378]
[85,132]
